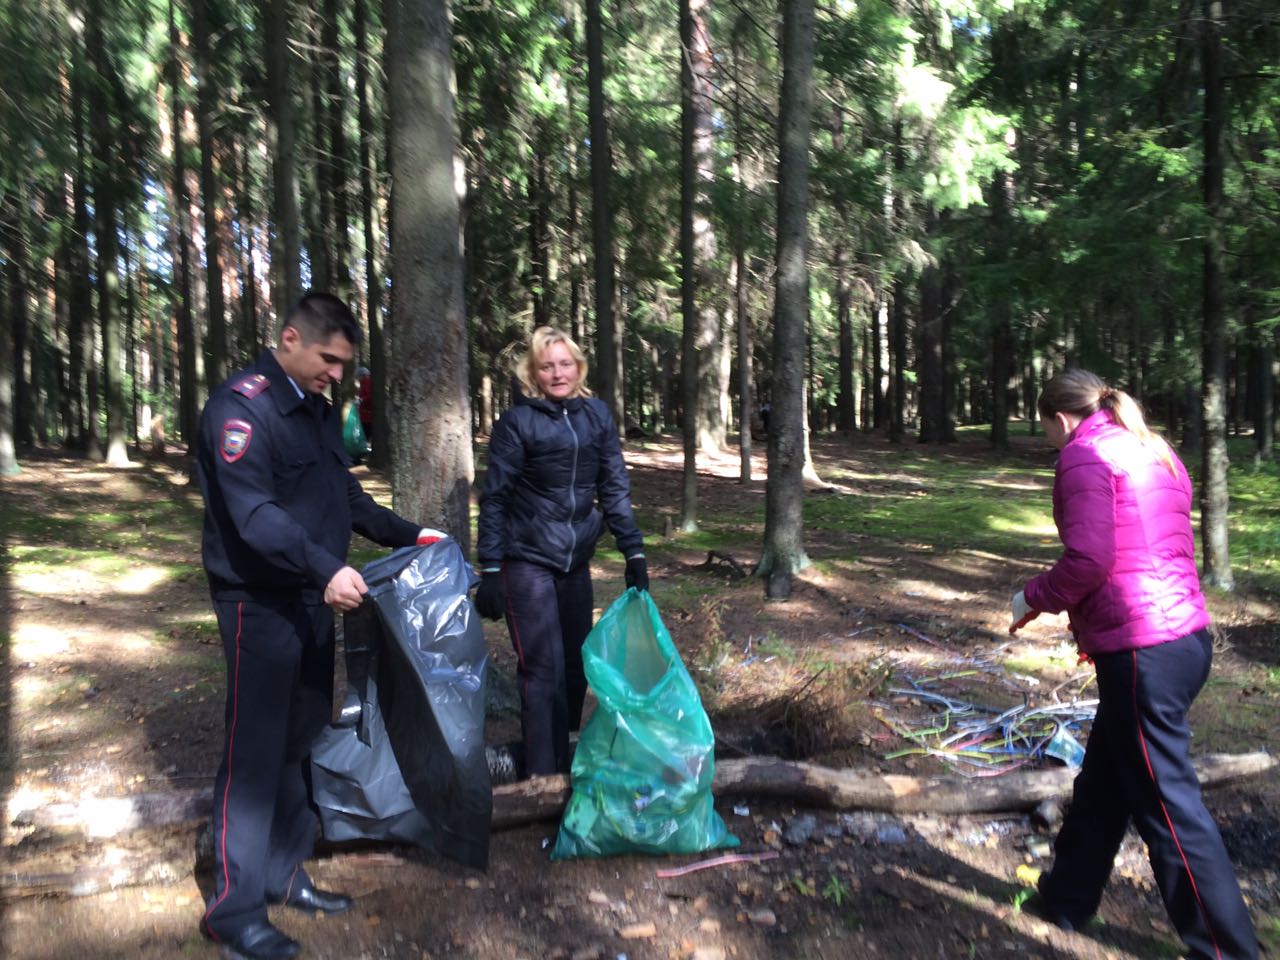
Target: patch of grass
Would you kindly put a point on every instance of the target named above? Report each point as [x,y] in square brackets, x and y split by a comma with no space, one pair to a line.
[1000,509]
[1269,933]
[1254,523]
[203,630]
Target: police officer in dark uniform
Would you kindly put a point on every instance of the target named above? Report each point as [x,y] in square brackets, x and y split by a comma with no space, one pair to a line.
[280,505]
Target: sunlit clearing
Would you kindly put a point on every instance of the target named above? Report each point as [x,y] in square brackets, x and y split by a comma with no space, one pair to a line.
[928,590]
[33,640]
[141,580]
[1031,522]
[63,581]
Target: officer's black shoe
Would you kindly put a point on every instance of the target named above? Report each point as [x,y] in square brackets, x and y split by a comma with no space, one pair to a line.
[258,941]
[311,900]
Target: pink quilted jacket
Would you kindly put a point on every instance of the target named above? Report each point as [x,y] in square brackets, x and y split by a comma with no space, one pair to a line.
[1128,574]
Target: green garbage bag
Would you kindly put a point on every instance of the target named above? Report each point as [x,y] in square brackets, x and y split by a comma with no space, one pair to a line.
[645,760]
[353,438]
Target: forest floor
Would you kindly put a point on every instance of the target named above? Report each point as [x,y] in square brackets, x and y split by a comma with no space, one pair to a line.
[111,683]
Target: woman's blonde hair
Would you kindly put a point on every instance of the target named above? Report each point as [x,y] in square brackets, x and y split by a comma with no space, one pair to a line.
[1081,393]
[540,341]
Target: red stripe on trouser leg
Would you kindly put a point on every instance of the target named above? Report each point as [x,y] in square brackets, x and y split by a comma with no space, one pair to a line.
[1164,810]
[226,791]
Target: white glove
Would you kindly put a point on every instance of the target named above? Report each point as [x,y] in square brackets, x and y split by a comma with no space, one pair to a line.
[1022,613]
[427,536]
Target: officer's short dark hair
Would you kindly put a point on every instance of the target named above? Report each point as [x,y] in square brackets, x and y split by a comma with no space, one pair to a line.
[318,316]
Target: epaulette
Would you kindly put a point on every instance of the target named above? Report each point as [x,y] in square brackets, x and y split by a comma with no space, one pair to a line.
[253,385]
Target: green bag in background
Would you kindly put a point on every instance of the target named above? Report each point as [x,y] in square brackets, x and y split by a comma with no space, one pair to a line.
[645,760]
[353,438]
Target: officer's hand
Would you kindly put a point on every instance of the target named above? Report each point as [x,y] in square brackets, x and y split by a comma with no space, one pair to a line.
[346,590]
[491,596]
[1022,613]
[637,574]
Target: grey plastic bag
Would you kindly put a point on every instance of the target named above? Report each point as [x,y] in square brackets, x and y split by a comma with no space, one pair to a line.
[406,760]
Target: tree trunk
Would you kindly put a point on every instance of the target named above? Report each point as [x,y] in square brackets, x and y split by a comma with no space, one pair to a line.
[930,358]
[180,231]
[337,161]
[108,244]
[19,316]
[286,248]
[784,552]
[899,313]
[372,239]
[1002,334]
[608,354]
[742,307]
[427,372]
[700,340]
[80,332]
[1214,500]
[12,304]
[206,103]
[317,211]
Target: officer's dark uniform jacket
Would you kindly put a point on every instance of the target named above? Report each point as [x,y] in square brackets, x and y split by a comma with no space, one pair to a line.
[549,461]
[281,501]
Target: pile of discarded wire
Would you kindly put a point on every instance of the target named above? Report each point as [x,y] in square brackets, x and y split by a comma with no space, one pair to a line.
[980,741]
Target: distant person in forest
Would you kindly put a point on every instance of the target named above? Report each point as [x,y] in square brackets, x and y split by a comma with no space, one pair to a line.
[556,477]
[1127,578]
[364,400]
[280,505]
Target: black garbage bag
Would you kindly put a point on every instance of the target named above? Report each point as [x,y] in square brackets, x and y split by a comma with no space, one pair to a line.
[405,762]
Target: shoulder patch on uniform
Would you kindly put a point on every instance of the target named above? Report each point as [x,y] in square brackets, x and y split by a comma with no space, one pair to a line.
[235,439]
[252,385]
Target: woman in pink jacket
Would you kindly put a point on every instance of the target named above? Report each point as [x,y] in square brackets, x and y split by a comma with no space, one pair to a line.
[1127,578]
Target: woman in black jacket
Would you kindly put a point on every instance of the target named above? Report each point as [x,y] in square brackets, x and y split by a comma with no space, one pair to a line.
[555,478]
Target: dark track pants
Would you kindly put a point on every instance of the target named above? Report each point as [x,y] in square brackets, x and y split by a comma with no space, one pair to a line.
[1136,766]
[548,615]
[279,697]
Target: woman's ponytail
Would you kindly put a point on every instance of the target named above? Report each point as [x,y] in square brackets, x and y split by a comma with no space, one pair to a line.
[1125,411]
[1081,393]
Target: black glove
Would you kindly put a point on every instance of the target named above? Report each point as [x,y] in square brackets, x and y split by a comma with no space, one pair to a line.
[637,574]
[491,597]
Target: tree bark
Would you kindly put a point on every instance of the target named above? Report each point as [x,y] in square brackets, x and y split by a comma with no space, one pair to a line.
[784,553]
[336,161]
[431,465]
[608,351]
[80,327]
[742,306]
[286,248]
[180,230]
[700,323]
[1214,497]
[11,306]
[372,238]
[107,240]
[206,103]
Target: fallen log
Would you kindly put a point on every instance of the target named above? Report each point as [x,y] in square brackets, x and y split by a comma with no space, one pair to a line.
[543,798]
[74,864]
[1018,791]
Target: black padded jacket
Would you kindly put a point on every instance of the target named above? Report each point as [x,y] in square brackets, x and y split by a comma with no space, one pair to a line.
[556,477]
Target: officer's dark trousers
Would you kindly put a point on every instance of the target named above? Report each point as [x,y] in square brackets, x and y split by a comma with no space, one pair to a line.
[1136,766]
[279,697]
[548,615]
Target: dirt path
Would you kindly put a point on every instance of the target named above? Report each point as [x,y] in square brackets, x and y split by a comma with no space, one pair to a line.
[111,683]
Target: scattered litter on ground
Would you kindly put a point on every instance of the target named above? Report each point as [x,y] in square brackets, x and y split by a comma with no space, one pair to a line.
[723,860]
[975,739]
